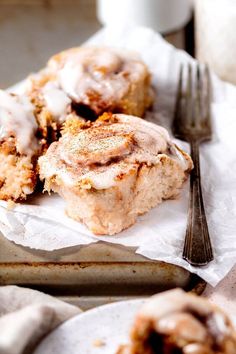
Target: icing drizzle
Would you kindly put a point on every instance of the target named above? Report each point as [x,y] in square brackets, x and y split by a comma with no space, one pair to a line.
[17,119]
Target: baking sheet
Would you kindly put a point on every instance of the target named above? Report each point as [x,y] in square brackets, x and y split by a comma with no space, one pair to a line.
[159,234]
[91,276]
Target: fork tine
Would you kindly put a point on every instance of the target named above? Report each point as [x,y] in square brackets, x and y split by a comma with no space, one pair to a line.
[178,116]
[198,94]
[207,118]
[178,105]
[192,108]
[189,98]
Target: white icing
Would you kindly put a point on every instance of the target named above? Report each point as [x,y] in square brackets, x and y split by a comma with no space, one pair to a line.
[100,71]
[51,167]
[195,348]
[17,119]
[151,138]
[90,154]
[176,154]
[99,179]
[220,321]
[174,301]
[56,100]
[105,179]
[185,324]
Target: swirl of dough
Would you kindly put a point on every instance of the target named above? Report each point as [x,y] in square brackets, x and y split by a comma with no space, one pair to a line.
[93,149]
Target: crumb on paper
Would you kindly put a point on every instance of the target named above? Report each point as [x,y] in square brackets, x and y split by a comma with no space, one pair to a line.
[10,204]
[98,343]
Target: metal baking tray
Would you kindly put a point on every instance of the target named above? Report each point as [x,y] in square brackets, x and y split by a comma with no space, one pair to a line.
[91,275]
[98,273]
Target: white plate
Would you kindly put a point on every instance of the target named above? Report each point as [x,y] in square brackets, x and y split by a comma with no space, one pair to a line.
[109,324]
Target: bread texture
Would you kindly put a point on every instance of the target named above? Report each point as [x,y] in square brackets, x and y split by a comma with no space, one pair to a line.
[18,176]
[113,170]
[19,147]
[179,322]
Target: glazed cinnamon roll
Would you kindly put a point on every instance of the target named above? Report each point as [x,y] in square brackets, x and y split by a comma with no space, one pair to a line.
[89,81]
[113,170]
[103,79]
[176,322]
[19,147]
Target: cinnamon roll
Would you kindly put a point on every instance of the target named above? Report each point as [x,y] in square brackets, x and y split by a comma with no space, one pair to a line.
[19,147]
[176,322]
[89,81]
[112,170]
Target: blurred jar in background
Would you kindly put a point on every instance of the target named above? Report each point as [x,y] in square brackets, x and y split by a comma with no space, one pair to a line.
[216,36]
[164,16]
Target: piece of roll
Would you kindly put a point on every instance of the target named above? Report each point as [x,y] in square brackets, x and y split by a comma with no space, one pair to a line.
[112,170]
[176,322]
[89,81]
[52,104]
[19,147]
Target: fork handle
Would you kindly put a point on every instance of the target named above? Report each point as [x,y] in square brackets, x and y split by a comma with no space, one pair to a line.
[197,247]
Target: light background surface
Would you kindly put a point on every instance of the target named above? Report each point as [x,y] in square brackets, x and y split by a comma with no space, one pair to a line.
[31,31]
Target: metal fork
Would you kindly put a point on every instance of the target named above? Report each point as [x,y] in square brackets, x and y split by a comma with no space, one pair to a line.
[192,123]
